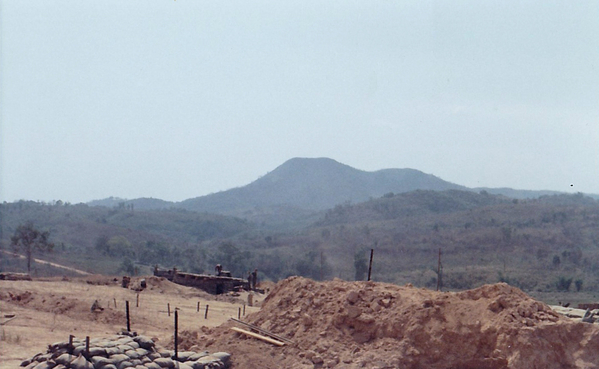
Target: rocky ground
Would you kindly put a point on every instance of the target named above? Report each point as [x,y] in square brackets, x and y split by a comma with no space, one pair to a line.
[330,324]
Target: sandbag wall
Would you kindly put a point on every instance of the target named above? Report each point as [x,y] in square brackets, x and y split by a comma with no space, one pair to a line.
[120,352]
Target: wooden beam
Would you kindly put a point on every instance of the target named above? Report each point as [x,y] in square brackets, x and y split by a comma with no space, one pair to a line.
[263,331]
[6,321]
[258,336]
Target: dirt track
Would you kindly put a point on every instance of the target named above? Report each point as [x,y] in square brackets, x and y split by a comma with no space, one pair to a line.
[40,261]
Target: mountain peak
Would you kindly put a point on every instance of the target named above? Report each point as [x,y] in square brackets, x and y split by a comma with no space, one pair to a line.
[298,168]
[316,184]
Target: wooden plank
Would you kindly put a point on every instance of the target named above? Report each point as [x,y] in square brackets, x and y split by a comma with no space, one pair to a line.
[6,321]
[264,332]
[258,336]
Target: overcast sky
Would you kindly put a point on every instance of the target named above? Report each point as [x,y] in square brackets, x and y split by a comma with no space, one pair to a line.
[179,99]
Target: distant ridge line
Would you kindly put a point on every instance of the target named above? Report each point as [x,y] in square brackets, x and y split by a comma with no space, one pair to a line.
[314,184]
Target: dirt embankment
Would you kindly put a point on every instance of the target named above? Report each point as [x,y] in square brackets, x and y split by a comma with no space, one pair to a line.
[376,325]
[332,324]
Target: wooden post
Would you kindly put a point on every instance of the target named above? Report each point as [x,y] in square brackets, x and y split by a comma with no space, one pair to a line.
[239,313]
[137,303]
[87,346]
[71,343]
[198,307]
[206,313]
[321,264]
[176,335]
[243,309]
[114,302]
[439,285]
[128,317]
[168,308]
[370,265]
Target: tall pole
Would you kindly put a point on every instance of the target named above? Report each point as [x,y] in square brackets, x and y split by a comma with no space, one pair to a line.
[176,334]
[370,266]
[439,285]
[128,319]
[321,263]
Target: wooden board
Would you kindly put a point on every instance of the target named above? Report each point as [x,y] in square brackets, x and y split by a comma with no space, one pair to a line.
[264,332]
[258,336]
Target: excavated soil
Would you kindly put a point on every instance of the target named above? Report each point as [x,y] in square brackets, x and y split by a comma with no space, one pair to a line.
[375,325]
[334,324]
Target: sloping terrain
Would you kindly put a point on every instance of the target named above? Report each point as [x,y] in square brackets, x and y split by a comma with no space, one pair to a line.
[483,239]
[376,325]
[315,184]
[139,204]
[332,324]
[303,185]
[532,244]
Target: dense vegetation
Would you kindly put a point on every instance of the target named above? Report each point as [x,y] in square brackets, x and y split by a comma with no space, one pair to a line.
[545,244]
[483,238]
[103,240]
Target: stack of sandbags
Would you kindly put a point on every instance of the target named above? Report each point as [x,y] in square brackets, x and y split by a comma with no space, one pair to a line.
[120,352]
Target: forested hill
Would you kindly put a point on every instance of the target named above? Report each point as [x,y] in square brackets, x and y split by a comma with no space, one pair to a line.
[99,239]
[316,184]
[143,203]
[290,193]
[536,244]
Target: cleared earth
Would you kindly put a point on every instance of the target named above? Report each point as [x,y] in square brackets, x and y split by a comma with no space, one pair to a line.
[332,324]
[47,311]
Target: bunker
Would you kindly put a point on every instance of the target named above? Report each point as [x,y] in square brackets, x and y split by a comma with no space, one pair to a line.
[215,285]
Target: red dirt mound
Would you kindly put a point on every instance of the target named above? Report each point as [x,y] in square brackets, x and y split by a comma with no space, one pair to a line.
[367,324]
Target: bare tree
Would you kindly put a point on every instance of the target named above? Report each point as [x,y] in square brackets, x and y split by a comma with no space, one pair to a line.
[28,239]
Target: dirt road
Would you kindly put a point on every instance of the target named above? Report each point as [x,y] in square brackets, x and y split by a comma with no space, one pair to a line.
[40,261]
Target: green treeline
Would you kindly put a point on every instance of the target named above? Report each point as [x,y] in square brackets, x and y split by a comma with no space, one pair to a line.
[545,244]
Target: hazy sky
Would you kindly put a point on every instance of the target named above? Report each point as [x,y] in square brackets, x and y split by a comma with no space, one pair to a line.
[178,99]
